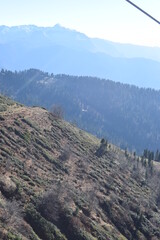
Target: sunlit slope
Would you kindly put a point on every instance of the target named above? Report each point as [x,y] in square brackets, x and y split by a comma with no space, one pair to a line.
[58,182]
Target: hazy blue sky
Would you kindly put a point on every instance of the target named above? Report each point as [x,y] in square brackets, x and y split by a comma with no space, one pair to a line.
[108,19]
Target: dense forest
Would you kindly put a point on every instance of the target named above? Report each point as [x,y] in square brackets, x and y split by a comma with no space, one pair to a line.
[125,115]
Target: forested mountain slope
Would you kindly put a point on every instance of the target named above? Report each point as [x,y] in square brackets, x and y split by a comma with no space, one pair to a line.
[58,182]
[126,115]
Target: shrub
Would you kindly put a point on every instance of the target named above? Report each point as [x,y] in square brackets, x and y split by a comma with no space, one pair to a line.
[65,155]
[43,228]
[57,111]
[102,148]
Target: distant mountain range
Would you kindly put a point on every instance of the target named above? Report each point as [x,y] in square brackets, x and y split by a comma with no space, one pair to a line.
[126,115]
[60,50]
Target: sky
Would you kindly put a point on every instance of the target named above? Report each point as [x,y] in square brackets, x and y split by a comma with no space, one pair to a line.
[114,20]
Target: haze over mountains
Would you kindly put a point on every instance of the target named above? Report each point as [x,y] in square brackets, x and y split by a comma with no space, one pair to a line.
[60,50]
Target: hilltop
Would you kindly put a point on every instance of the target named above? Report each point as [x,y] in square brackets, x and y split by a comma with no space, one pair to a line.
[59,182]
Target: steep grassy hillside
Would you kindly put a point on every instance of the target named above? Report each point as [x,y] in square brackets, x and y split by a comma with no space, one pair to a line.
[58,182]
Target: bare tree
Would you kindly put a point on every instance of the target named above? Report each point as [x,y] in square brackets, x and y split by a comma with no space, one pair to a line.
[55,201]
[57,111]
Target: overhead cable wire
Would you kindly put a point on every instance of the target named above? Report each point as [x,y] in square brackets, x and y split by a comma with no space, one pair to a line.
[140,9]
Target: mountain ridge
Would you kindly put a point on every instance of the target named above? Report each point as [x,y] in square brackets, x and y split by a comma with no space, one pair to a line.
[126,115]
[70,52]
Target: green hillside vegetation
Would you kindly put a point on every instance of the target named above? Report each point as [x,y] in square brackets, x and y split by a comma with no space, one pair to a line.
[126,115]
[59,182]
